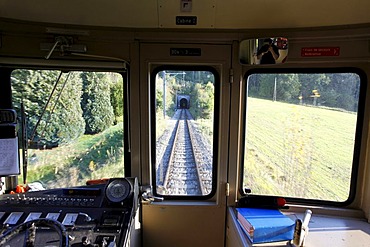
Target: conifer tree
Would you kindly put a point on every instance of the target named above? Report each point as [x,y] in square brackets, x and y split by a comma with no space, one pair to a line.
[61,121]
[96,103]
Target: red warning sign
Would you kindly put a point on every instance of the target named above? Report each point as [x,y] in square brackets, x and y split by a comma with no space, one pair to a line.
[320,51]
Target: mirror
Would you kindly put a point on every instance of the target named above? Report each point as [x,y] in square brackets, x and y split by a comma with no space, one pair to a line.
[263,51]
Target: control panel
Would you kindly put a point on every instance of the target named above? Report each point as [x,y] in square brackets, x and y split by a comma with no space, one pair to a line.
[91,215]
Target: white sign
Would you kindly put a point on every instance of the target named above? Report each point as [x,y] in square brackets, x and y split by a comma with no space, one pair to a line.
[9,164]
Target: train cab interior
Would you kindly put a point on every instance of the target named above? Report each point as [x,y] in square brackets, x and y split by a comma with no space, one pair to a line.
[157,123]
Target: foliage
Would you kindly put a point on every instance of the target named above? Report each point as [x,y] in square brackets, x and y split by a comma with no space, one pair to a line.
[95,103]
[66,117]
[62,119]
[68,113]
[338,90]
[203,101]
[116,94]
[199,85]
[59,110]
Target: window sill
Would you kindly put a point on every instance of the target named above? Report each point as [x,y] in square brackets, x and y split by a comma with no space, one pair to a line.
[324,229]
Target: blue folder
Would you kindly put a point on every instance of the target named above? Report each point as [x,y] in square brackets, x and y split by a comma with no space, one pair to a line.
[265,225]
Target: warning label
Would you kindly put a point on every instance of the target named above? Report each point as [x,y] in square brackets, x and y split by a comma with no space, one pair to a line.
[320,51]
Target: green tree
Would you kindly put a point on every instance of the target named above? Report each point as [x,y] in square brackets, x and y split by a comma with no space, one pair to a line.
[311,82]
[116,94]
[266,86]
[203,101]
[62,119]
[96,103]
[346,88]
[287,87]
[67,123]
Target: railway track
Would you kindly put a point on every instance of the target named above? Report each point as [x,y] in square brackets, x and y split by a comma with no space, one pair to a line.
[187,165]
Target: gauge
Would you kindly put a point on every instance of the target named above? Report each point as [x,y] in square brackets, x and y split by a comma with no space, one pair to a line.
[118,190]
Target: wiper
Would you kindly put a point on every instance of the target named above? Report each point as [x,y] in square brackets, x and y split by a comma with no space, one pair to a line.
[46,105]
[55,104]
[24,126]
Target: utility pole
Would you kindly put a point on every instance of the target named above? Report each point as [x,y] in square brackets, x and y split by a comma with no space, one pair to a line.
[164,94]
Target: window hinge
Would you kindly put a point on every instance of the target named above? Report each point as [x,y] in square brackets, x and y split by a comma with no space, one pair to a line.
[227,189]
[231,75]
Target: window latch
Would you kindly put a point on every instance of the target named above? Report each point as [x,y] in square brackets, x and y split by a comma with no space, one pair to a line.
[147,195]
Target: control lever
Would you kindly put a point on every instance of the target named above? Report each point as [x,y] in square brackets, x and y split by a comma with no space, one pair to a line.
[301,229]
[87,217]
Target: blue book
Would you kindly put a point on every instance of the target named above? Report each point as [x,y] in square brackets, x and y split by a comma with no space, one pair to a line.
[265,225]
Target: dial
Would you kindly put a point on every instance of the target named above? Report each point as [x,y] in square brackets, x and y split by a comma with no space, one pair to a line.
[118,190]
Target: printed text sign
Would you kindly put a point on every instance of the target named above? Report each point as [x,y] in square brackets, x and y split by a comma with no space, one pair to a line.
[320,51]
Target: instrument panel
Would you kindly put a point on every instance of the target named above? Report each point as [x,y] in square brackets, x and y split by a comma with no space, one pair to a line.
[92,215]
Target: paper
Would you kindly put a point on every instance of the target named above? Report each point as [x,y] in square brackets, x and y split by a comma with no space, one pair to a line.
[9,163]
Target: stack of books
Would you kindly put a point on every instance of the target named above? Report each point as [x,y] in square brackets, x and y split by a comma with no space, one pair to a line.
[265,225]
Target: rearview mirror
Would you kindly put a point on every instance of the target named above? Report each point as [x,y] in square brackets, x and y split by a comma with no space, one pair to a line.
[263,51]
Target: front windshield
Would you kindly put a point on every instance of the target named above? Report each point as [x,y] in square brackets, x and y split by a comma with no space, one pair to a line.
[73,125]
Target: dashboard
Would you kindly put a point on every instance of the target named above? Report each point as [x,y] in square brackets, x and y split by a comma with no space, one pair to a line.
[92,215]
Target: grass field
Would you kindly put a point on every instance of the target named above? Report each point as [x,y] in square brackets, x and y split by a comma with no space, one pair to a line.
[298,151]
[89,157]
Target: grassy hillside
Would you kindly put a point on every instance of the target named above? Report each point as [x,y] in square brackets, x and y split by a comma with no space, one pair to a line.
[296,150]
[89,157]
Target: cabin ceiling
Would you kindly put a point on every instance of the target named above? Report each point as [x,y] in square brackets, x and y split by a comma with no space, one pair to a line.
[210,14]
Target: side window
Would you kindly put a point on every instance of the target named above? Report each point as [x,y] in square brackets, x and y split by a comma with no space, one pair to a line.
[300,135]
[183,106]
[74,125]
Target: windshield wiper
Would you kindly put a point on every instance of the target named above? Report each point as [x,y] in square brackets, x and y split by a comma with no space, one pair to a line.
[46,105]
[55,104]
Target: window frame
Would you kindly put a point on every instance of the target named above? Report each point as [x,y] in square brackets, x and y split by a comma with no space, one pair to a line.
[124,72]
[216,123]
[357,135]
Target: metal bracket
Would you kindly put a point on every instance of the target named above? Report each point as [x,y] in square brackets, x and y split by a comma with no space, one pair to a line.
[147,195]
[63,44]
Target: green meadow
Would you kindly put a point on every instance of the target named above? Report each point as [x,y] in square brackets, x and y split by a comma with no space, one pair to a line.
[298,151]
[88,157]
